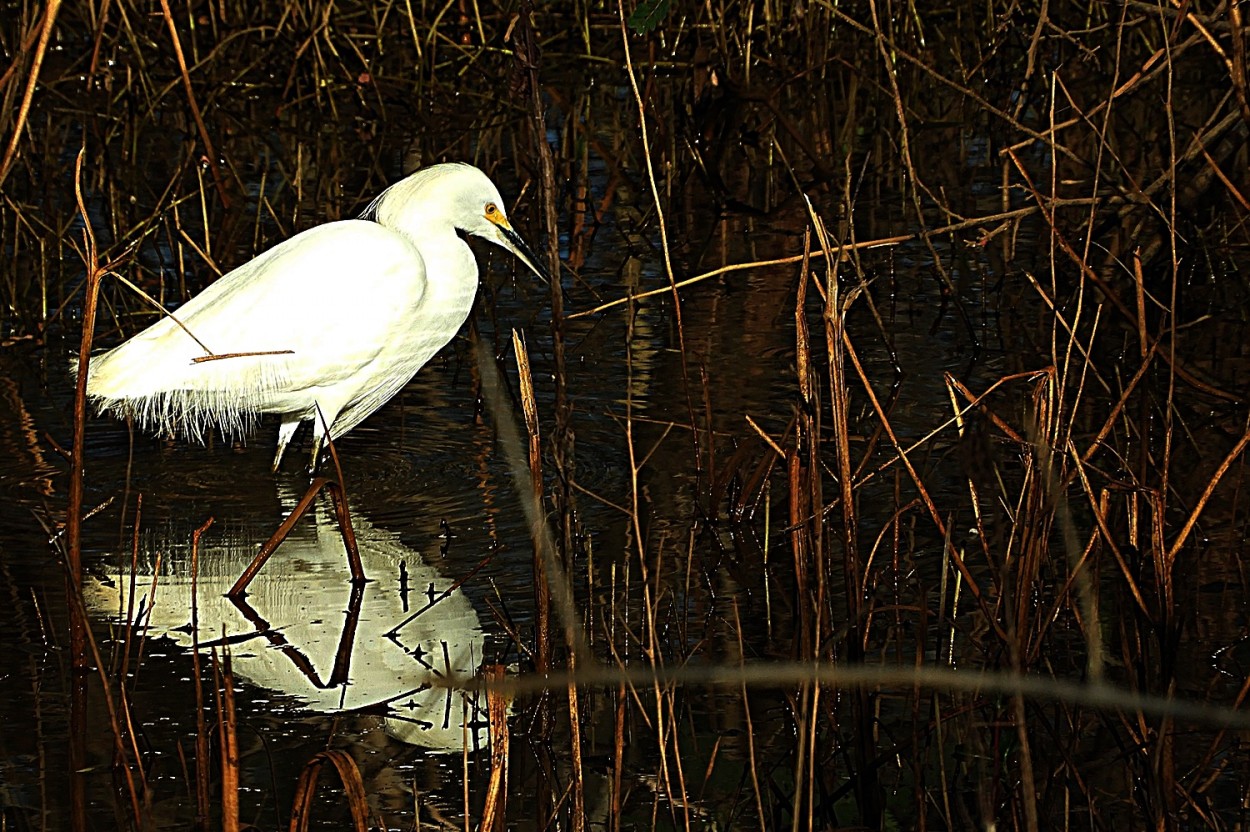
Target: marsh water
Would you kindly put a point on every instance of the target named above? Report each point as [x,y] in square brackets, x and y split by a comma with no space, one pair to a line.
[428,488]
[704,521]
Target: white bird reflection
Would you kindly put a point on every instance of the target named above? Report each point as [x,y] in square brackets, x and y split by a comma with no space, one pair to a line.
[305,631]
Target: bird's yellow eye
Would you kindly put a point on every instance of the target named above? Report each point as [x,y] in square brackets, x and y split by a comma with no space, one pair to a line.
[492,210]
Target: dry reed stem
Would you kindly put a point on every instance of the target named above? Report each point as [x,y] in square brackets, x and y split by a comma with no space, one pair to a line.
[1108,538]
[750,732]
[918,482]
[227,739]
[497,403]
[161,308]
[1174,549]
[528,58]
[494,812]
[618,757]
[542,591]
[202,758]
[79,634]
[658,205]
[853,571]
[32,79]
[349,777]
[844,249]
[136,792]
[1107,291]
[128,605]
[1051,478]
[209,151]
[12,72]
[917,183]
[578,820]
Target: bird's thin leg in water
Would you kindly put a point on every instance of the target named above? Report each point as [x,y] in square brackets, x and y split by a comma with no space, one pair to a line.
[285,432]
[321,430]
[316,456]
[301,508]
[343,513]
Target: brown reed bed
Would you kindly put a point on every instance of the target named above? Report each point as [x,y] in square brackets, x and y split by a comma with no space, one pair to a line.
[972,560]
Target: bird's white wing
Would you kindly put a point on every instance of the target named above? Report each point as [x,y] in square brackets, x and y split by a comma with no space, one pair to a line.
[308,313]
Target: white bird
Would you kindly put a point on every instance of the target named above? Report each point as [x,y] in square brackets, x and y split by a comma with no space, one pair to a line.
[326,326]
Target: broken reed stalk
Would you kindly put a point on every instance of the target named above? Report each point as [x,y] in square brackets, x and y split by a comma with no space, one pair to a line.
[203,812]
[227,738]
[500,407]
[800,508]
[542,590]
[495,811]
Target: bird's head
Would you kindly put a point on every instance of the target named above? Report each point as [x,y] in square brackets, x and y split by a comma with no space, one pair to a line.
[459,195]
[491,223]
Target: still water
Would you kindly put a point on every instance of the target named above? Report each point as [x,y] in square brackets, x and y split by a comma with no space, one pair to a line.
[439,527]
[437,520]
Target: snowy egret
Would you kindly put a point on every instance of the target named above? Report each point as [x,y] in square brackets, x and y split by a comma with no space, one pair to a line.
[326,326]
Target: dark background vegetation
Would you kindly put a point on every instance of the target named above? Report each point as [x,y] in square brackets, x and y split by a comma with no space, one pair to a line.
[1005,362]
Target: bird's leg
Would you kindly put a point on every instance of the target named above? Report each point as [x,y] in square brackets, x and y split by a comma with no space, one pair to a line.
[316,454]
[321,430]
[301,508]
[341,513]
[285,432]
[338,496]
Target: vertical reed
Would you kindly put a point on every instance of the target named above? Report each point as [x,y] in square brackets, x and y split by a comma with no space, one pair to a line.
[495,810]
[73,519]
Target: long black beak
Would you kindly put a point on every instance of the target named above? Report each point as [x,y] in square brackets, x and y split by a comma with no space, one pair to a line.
[522,250]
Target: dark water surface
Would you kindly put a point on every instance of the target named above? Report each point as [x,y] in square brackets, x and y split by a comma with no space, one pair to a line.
[428,489]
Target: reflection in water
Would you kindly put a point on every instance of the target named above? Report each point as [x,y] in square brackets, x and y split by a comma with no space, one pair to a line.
[304,631]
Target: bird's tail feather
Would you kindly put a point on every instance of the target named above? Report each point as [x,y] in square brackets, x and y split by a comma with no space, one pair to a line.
[177,396]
